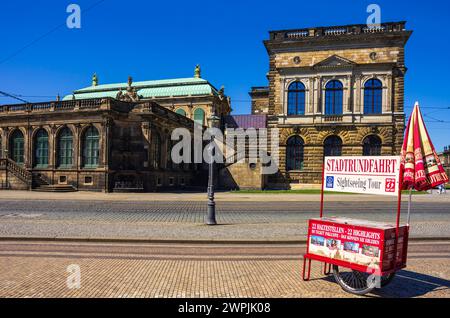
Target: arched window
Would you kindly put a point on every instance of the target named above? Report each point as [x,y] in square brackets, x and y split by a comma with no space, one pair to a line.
[156,145]
[199,116]
[334,98]
[41,149]
[332,146]
[296,99]
[372,146]
[16,147]
[294,153]
[373,97]
[91,141]
[65,148]
[180,111]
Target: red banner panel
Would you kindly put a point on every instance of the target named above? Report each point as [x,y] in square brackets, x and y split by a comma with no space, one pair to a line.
[357,244]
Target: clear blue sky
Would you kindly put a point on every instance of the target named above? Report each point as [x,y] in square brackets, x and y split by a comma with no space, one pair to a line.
[166,39]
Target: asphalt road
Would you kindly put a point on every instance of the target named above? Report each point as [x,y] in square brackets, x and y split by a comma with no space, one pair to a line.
[190,251]
[227,212]
[183,220]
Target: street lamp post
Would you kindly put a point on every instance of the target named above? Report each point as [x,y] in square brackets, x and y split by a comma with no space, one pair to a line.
[211,215]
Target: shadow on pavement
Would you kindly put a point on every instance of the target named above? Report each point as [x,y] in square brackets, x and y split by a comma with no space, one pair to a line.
[406,284]
[412,284]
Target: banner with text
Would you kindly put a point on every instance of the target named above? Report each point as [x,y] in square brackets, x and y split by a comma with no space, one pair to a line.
[367,175]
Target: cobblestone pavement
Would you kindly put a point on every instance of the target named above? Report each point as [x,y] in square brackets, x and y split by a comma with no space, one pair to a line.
[163,220]
[201,196]
[39,269]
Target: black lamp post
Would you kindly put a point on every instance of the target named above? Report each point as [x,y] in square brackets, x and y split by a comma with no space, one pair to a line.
[211,215]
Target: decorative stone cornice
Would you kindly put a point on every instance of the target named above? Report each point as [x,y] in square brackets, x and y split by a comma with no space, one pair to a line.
[358,35]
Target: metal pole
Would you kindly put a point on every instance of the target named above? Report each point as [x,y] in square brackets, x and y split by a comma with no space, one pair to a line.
[321,191]
[211,216]
[399,208]
[409,207]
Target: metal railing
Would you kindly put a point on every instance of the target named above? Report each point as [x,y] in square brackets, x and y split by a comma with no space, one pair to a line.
[129,185]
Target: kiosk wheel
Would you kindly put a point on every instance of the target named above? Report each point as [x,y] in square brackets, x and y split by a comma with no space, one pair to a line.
[386,280]
[358,283]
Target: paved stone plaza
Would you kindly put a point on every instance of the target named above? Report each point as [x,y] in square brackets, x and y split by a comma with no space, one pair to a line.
[39,269]
[273,228]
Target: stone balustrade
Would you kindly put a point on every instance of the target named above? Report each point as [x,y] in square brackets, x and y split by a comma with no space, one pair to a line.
[70,105]
[337,31]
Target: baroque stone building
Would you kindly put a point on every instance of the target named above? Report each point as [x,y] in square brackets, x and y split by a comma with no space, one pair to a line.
[114,137]
[333,91]
[192,97]
[445,159]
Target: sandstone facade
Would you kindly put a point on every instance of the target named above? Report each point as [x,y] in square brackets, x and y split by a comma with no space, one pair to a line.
[445,159]
[352,56]
[133,146]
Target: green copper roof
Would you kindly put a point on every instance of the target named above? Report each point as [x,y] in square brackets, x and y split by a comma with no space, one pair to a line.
[150,89]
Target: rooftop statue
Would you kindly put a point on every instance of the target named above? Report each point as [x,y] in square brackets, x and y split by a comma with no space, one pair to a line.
[197,72]
[94,80]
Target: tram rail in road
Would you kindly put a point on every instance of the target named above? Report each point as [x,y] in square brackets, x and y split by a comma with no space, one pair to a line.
[188,251]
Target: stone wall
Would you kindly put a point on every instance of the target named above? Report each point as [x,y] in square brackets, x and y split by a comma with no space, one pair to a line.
[260,100]
[445,160]
[260,105]
[9,181]
[352,138]
[220,105]
[242,176]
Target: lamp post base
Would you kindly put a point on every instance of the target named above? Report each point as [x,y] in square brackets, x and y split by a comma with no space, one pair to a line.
[211,216]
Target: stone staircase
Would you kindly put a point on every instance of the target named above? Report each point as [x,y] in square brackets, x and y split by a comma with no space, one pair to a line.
[42,184]
[22,177]
[55,188]
[28,180]
[39,180]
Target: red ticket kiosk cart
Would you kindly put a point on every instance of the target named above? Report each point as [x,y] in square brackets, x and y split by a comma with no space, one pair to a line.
[364,254]
[361,254]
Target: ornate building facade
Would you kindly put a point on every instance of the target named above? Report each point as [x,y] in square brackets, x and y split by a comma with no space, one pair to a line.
[333,91]
[192,97]
[114,137]
[445,159]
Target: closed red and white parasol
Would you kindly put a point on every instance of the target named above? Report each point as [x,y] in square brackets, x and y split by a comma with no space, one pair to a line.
[422,169]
